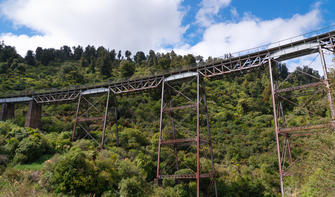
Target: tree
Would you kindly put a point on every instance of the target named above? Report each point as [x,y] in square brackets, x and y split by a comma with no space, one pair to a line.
[112,54]
[45,55]
[131,187]
[77,52]
[164,61]
[189,60]
[152,59]
[66,52]
[139,57]
[29,58]
[127,68]
[104,62]
[128,54]
[7,53]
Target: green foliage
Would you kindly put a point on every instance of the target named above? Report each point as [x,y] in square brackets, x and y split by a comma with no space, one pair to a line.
[241,122]
[315,176]
[132,138]
[30,148]
[127,68]
[72,174]
[131,187]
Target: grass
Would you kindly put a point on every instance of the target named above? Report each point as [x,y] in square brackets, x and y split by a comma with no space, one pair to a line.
[36,165]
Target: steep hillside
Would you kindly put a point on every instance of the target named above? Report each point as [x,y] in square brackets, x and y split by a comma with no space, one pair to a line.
[45,162]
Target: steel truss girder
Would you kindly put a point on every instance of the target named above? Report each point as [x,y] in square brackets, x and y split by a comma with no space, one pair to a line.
[228,65]
[56,97]
[236,65]
[137,85]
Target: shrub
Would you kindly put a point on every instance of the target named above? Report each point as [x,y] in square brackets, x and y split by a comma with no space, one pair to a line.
[30,148]
[132,138]
[131,187]
[72,174]
[59,142]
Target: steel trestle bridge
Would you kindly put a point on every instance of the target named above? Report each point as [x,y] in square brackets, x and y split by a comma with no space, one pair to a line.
[259,58]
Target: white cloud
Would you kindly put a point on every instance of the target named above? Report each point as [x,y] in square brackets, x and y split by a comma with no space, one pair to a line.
[209,8]
[312,61]
[250,32]
[234,13]
[126,24]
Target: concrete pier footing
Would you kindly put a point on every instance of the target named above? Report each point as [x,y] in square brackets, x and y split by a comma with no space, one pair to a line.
[33,117]
[7,111]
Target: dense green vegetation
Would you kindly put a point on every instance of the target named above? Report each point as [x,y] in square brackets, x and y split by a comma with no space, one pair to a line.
[46,163]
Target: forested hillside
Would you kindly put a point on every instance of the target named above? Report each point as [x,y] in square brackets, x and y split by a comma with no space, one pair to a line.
[46,163]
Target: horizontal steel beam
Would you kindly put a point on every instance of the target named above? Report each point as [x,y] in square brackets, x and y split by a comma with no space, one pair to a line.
[299,87]
[302,128]
[185,176]
[91,119]
[183,142]
[179,107]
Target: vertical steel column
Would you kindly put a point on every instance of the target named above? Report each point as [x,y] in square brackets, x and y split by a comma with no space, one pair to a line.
[276,127]
[198,137]
[116,122]
[160,129]
[105,121]
[330,100]
[76,120]
[209,136]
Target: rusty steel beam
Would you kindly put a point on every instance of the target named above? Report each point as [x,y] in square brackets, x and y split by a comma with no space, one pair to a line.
[176,141]
[105,121]
[301,134]
[329,92]
[179,107]
[307,127]
[160,131]
[299,87]
[91,119]
[276,127]
[186,176]
[198,136]
[183,141]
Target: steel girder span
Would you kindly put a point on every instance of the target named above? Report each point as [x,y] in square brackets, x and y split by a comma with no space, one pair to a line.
[244,61]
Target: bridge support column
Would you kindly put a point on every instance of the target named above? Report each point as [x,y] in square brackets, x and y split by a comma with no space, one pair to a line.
[178,102]
[33,117]
[116,121]
[326,81]
[276,127]
[7,111]
[92,110]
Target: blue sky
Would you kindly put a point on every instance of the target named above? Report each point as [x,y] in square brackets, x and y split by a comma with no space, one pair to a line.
[201,27]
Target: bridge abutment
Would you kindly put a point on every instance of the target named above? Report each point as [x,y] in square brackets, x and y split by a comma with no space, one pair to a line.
[7,111]
[33,117]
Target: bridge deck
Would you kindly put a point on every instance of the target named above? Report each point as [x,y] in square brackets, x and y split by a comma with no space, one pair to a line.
[255,58]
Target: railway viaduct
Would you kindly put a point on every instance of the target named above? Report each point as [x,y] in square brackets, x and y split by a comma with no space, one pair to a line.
[263,57]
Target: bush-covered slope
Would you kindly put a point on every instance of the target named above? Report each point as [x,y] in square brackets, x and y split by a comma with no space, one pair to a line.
[46,162]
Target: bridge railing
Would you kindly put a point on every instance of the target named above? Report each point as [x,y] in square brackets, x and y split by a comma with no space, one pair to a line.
[282,42]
